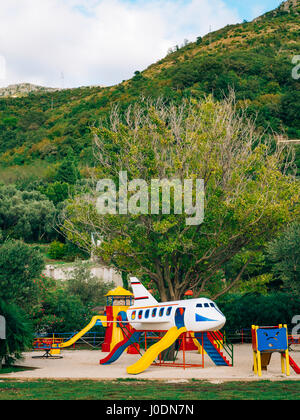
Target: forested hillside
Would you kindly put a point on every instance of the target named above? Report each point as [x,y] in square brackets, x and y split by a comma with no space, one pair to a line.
[253,58]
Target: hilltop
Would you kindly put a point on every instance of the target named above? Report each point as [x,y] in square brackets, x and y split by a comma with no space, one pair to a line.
[253,58]
[24,89]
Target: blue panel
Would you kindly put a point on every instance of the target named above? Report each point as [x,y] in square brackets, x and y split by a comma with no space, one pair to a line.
[272,339]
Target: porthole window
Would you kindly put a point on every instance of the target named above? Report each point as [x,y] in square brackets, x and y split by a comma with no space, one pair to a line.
[147,313]
[161,311]
[169,311]
[154,312]
[140,314]
[133,315]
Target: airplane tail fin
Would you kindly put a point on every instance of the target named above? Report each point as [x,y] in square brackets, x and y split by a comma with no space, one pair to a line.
[141,295]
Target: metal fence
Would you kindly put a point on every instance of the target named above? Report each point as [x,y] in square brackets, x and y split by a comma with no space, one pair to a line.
[92,340]
[242,336]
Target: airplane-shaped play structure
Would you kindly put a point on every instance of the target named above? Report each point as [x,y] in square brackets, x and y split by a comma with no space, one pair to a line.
[174,318]
[126,322]
[191,324]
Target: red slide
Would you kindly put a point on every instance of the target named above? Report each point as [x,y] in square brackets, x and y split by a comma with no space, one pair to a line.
[294,366]
[119,348]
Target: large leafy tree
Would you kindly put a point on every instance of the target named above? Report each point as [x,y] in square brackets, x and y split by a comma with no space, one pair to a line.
[248,194]
[284,252]
[25,215]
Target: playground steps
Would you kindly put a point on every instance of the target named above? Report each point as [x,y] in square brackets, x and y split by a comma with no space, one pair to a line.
[213,352]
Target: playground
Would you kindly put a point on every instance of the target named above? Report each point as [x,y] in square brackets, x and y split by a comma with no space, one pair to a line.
[173,341]
[84,364]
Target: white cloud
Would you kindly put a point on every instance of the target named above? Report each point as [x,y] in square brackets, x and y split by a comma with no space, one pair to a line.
[97,41]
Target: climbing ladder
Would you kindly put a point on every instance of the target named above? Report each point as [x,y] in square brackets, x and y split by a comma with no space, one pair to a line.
[212,345]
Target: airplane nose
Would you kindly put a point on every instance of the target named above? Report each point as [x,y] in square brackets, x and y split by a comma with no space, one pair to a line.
[222,322]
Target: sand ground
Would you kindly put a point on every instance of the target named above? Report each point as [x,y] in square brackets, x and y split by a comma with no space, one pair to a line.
[84,364]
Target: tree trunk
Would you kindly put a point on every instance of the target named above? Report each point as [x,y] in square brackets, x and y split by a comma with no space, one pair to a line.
[125,280]
[168,355]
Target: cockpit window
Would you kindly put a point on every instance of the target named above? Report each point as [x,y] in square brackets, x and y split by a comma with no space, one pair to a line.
[206,305]
[212,305]
[199,305]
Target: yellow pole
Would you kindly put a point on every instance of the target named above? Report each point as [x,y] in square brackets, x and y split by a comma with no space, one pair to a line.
[259,363]
[287,358]
[253,327]
[258,357]
[254,362]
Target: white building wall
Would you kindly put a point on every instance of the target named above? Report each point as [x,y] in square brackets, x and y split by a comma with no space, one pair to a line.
[107,274]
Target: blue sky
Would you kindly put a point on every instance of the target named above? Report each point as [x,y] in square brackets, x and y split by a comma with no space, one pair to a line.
[250,9]
[247,9]
[71,43]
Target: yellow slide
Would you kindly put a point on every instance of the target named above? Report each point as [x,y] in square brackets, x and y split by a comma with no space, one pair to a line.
[79,335]
[196,342]
[145,361]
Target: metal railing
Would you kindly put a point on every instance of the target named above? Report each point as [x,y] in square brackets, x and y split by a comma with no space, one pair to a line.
[223,343]
[90,339]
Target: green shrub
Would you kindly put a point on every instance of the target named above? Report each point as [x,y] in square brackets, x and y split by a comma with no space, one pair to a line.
[242,311]
[57,250]
[19,334]
[90,289]
[60,312]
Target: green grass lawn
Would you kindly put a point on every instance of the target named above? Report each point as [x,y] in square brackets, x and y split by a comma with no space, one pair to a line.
[147,390]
